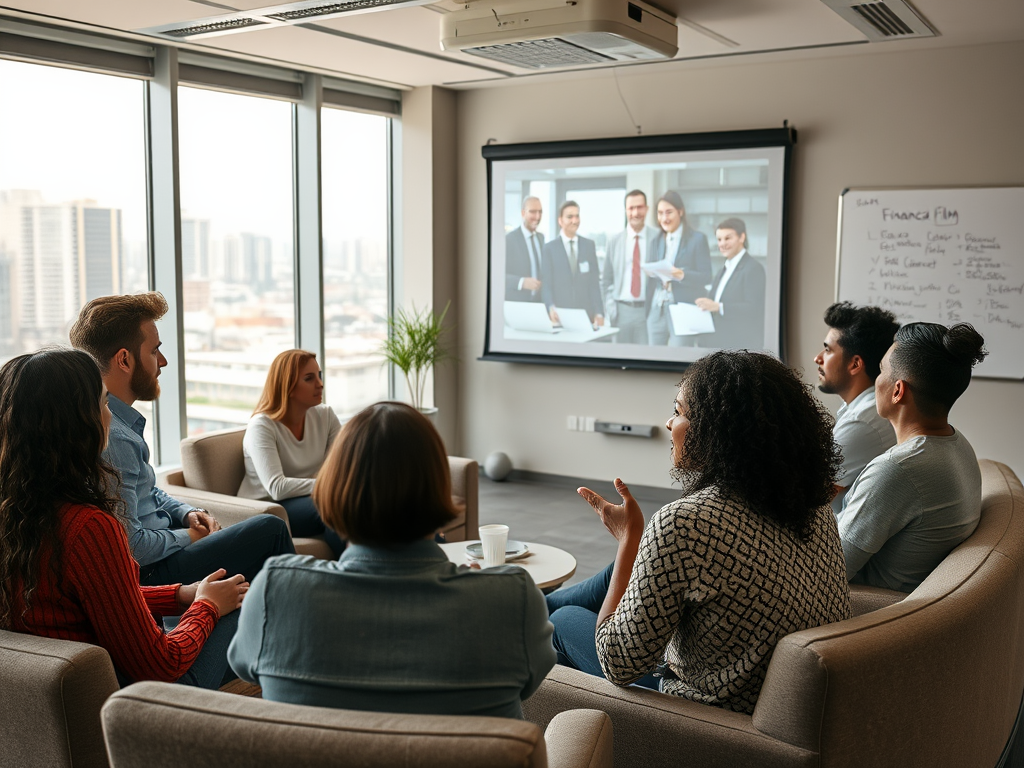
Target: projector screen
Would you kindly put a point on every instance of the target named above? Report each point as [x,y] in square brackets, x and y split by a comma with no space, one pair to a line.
[645,252]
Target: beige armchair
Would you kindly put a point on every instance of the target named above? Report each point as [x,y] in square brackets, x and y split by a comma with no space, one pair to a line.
[212,468]
[51,692]
[930,679]
[159,725]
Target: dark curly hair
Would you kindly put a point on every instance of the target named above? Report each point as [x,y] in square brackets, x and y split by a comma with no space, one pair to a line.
[864,331]
[51,440]
[757,433]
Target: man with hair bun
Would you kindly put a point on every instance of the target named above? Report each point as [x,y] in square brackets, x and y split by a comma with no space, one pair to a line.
[848,364]
[917,501]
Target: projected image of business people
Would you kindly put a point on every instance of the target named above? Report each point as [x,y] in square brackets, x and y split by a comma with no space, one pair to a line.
[653,258]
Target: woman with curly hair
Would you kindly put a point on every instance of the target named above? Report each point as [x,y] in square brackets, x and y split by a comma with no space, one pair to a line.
[65,568]
[749,554]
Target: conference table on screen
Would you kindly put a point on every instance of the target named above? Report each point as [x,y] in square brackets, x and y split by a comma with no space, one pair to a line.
[562,335]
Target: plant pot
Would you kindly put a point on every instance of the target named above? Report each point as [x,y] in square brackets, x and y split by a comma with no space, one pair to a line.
[430,413]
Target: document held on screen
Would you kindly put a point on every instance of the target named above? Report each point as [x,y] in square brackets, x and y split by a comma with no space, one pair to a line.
[689,319]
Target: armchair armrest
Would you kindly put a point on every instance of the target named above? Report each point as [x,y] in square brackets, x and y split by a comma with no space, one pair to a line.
[687,733]
[864,599]
[466,490]
[581,738]
[227,509]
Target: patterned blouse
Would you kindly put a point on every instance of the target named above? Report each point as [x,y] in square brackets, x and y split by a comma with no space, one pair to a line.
[713,589]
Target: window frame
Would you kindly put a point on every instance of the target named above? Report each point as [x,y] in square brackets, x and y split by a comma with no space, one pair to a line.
[163,67]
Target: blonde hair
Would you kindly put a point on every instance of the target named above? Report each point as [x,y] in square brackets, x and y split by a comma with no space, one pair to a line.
[281,380]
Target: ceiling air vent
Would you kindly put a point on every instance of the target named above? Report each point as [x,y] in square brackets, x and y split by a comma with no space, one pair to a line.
[329,10]
[884,20]
[273,16]
[214,27]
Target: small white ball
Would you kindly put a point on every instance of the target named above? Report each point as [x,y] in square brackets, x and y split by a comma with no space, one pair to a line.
[497,466]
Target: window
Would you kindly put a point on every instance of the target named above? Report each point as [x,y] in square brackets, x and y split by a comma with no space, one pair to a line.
[75,207]
[237,249]
[72,200]
[354,152]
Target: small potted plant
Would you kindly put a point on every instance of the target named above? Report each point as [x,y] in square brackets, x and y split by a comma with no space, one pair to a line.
[415,344]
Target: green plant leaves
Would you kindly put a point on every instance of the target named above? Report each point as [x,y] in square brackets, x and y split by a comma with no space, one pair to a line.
[414,345]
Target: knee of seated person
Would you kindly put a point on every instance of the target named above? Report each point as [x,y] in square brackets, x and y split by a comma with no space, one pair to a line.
[571,613]
[260,526]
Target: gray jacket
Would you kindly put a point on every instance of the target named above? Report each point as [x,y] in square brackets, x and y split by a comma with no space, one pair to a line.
[394,630]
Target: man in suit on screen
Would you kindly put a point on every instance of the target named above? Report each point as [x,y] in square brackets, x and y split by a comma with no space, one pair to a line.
[569,273]
[524,247]
[737,293]
[623,283]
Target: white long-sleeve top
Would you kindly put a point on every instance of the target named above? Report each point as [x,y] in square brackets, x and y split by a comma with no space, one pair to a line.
[277,465]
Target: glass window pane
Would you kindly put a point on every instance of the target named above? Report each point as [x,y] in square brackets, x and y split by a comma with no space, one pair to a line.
[354,152]
[237,249]
[72,200]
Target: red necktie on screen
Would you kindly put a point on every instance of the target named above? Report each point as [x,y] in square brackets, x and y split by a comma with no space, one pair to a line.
[634,287]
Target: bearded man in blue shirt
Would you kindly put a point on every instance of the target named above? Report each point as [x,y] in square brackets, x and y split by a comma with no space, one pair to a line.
[172,541]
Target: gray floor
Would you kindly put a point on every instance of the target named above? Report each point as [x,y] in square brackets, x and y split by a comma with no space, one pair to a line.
[549,511]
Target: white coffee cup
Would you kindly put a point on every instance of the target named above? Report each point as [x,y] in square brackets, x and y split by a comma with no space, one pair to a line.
[493,539]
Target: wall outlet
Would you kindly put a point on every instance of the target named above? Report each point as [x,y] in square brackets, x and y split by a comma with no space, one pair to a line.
[589,422]
[572,423]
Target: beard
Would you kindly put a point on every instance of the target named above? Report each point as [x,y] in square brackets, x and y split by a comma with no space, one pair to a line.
[144,386]
[827,387]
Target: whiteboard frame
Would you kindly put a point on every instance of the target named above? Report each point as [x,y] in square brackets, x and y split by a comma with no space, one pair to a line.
[903,188]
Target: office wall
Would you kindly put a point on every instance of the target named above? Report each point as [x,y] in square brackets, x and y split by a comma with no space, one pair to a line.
[426,267]
[922,117]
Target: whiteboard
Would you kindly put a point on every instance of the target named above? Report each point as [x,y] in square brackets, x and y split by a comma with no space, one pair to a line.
[940,256]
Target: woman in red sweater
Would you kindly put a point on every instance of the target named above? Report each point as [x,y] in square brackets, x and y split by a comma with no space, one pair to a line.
[65,568]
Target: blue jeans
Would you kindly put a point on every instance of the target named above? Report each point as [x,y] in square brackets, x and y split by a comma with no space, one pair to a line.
[573,611]
[305,521]
[210,670]
[239,548]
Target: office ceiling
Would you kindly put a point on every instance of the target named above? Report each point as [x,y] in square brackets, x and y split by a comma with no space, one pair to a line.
[400,47]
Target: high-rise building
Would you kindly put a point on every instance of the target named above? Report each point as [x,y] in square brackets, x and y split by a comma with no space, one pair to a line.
[257,256]
[247,258]
[57,257]
[195,247]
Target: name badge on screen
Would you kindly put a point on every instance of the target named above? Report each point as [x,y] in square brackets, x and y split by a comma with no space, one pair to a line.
[584,267]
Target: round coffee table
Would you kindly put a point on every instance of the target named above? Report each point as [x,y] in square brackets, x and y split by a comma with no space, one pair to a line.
[550,567]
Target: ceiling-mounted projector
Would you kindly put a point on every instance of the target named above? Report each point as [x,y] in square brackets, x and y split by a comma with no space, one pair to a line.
[546,34]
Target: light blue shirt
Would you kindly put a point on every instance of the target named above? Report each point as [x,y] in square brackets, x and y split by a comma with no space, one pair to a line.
[862,434]
[156,520]
[400,629]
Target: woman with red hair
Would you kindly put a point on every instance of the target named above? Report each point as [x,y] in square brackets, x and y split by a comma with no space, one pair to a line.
[286,441]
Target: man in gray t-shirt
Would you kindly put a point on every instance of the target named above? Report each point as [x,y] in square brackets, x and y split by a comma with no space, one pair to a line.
[913,504]
[908,509]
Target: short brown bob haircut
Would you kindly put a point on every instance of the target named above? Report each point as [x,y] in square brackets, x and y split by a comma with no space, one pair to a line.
[281,380]
[386,480]
[109,324]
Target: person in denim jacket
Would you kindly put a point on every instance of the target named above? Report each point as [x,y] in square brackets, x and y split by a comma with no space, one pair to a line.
[392,626]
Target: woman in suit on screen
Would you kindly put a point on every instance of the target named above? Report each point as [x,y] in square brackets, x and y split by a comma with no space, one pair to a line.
[688,250]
